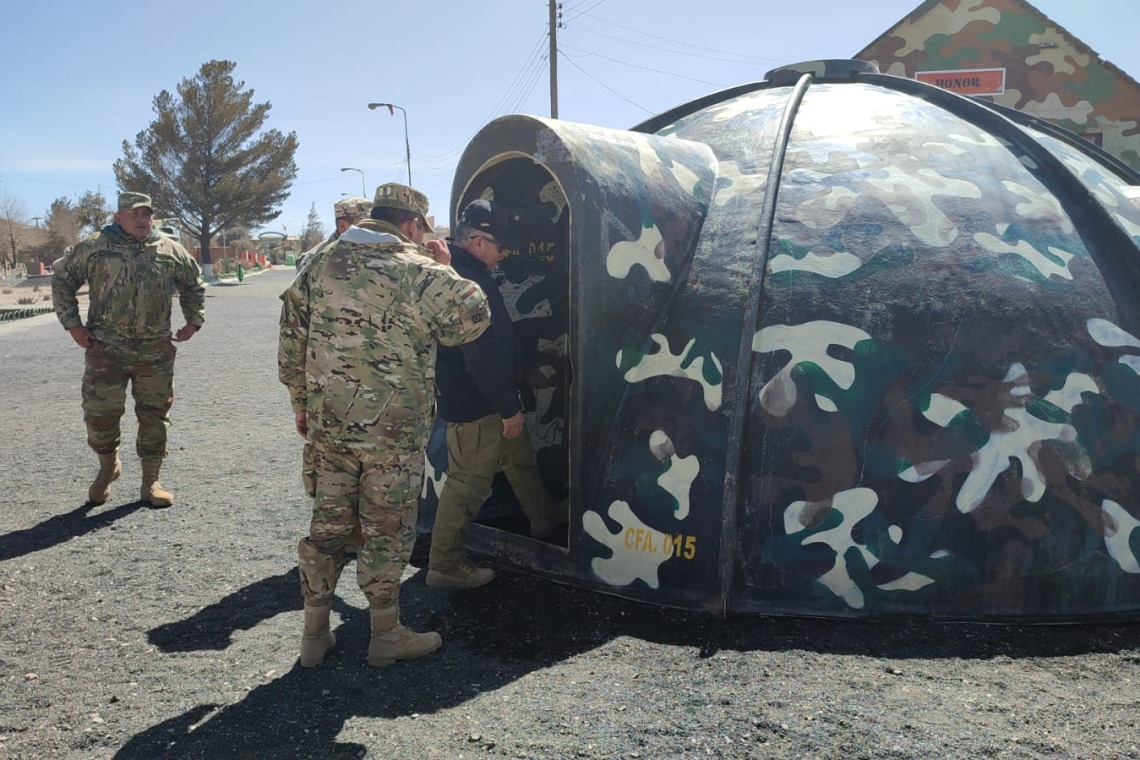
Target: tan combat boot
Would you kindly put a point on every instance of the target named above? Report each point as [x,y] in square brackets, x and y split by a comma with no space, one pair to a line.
[152,490]
[110,468]
[392,641]
[317,640]
[464,576]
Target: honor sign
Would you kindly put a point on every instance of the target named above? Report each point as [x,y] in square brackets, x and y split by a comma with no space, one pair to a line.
[966,81]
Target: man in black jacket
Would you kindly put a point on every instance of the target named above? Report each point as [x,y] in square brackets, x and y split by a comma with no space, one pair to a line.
[478,396]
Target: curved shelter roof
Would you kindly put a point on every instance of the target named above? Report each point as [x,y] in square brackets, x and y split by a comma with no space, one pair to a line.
[835,343]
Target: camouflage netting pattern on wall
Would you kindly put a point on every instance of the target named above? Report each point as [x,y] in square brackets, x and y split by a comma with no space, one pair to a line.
[941,384]
[1049,74]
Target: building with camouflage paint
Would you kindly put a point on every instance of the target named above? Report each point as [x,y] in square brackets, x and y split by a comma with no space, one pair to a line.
[833,343]
[1010,53]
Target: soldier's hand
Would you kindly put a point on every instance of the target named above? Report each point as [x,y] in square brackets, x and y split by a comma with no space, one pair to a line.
[82,336]
[439,251]
[512,428]
[301,422]
[185,333]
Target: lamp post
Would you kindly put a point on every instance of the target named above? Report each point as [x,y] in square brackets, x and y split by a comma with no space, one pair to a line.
[363,187]
[407,145]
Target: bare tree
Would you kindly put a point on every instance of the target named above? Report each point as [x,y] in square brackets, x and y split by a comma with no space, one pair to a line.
[13,221]
[205,159]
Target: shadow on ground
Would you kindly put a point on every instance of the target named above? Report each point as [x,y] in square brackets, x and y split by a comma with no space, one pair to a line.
[62,528]
[500,633]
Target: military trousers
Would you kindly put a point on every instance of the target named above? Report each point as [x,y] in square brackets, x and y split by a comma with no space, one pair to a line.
[475,452]
[381,489]
[148,365]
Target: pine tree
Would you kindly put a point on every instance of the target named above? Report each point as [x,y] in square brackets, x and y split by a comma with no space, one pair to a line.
[204,159]
[314,231]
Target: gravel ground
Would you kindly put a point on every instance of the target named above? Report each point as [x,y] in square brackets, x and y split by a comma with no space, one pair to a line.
[135,633]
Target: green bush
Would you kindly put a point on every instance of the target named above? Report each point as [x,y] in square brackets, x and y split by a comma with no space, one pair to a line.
[25,300]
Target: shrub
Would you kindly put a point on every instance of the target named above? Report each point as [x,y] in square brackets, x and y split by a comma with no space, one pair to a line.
[6,291]
[25,300]
[35,288]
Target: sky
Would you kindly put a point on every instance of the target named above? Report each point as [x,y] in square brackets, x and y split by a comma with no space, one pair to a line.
[73,92]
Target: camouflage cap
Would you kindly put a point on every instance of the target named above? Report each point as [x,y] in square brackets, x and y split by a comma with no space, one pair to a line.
[352,208]
[129,200]
[395,195]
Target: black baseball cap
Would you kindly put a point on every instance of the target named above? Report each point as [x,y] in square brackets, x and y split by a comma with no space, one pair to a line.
[491,218]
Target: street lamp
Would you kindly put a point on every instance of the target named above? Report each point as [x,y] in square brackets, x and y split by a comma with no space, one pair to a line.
[363,187]
[407,145]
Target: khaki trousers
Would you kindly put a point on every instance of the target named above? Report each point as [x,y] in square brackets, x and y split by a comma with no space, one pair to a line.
[475,452]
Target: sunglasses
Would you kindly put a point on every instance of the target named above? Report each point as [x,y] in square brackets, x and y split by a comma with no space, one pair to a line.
[493,242]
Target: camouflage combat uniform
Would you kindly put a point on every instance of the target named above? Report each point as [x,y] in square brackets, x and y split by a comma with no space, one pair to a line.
[359,327]
[130,285]
[352,210]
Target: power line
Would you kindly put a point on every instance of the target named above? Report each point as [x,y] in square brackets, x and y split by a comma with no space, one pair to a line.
[535,57]
[634,65]
[603,84]
[582,13]
[675,52]
[684,44]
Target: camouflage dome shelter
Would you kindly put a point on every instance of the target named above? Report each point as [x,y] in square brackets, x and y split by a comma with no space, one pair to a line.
[835,343]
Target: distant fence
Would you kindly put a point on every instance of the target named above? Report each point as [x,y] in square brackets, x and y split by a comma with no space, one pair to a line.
[7,315]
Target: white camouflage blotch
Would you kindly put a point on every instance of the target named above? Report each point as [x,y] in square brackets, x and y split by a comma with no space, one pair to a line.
[1118,528]
[625,255]
[665,363]
[807,343]
[1019,443]
[1038,260]
[853,505]
[624,565]
[679,474]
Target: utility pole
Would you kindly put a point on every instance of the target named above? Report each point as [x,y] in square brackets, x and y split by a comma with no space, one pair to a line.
[554,59]
[37,219]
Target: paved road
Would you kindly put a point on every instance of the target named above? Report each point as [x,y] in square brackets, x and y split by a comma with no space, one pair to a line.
[133,633]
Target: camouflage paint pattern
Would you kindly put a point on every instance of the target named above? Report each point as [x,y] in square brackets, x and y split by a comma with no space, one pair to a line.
[1049,73]
[938,398]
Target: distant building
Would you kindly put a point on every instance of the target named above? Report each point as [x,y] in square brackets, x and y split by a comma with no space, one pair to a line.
[169,227]
[1009,52]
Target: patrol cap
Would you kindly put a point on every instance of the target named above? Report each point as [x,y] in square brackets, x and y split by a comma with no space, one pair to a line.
[489,217]
[404,198]
[129,200]
[352,208]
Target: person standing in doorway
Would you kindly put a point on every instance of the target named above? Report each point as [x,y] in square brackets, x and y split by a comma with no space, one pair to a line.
[478,396]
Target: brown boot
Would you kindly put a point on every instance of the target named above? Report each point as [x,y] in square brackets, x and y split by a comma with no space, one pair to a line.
[464,576]
[317,640]
[392,641]
[152,490]
[110,468]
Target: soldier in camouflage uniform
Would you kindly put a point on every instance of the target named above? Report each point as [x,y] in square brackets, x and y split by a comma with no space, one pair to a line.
[130,270]
[359,329]
[346,212]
